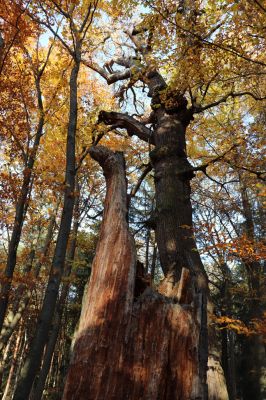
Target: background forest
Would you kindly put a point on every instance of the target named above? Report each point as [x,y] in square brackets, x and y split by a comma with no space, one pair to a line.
[76,75]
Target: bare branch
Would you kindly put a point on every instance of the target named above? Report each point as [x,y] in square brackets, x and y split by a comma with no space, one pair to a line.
[47,24]
[91,19]
[197,108]
[259,174]
[110,78]
[203,167]
[260,5]
[118,76]
[124,121]
[60,9]
[134,190]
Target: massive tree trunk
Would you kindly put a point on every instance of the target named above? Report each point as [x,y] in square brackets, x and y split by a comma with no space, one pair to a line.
[175,234]
[131,345]
[172,218]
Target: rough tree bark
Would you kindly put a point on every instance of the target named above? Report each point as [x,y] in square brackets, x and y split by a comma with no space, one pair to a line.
[128,347]
[172,219]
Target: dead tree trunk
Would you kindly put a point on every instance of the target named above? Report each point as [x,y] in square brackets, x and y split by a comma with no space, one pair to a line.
[128,347]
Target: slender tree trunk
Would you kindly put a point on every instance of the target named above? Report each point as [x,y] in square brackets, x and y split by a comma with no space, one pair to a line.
[47,242]
[3,360]
[153,262]
[12,319]
[33,361]
[13,364]
[227,341]
[20,212]
[253,360]
[217,388]
[147,250]
[125,348]
[48,356]
[228,362]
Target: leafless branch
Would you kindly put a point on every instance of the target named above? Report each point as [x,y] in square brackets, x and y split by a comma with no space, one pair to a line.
[124,121]
[60,9]
[203,167]
[135,189]
[197,108]
[259,174]
[48,25]
[260,5]
[110,78]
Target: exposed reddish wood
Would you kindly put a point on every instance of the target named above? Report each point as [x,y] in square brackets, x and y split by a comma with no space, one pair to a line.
[145,348]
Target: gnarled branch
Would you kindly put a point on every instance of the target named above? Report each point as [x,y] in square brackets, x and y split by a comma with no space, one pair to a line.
[133,127]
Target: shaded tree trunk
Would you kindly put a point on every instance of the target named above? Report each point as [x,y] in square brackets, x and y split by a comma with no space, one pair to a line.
[253,360]
[153,263]
[48,356]
[227,336]
[228,362]
[125,348]
[3,361]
